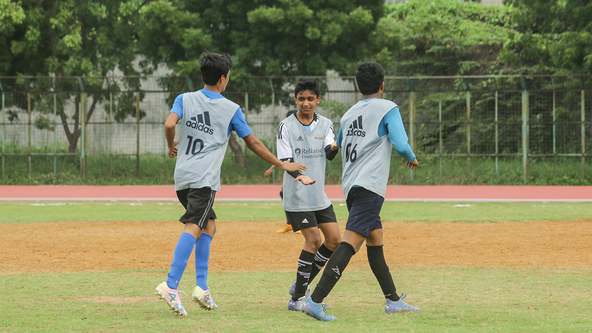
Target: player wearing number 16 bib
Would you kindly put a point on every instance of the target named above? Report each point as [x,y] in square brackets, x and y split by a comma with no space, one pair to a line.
[368,131]
[205,119]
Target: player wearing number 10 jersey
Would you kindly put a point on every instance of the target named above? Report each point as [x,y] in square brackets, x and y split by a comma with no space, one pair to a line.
[206,120]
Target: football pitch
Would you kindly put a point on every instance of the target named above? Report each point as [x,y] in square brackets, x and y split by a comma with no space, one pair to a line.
[487,267]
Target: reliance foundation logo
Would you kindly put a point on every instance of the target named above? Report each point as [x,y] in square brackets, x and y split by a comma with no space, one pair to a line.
[201,123]
[356,128]
[308,152]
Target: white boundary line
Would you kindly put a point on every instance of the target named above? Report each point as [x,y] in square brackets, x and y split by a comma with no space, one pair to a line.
[278,199]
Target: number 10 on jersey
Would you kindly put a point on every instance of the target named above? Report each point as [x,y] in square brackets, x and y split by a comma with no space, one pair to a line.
[192,145]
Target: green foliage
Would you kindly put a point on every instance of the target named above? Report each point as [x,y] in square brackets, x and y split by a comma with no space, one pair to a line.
[442,37]
[290,37]
[550,37]
[73,38]
[306,38]
[296,37]
[69,38]
[121,170]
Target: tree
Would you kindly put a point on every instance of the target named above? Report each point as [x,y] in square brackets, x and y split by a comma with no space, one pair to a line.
[70,39]
[265,37]
[289,37]
[550,37]
[11,14]
[442,37]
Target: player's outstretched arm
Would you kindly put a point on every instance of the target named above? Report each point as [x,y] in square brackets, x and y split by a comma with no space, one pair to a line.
[260,150]
[169,133]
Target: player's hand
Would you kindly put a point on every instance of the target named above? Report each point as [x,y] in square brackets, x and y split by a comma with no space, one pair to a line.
[269,171]
[305,180]
[172,152]
[410,165]
[334,146]
[287,166]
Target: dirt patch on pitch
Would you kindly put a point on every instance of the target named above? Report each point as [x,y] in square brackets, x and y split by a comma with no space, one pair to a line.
[248,246]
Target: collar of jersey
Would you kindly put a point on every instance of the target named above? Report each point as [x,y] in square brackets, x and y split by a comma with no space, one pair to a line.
[210,94]
[314,118]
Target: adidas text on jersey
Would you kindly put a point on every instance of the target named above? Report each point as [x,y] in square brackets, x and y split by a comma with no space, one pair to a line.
[201,123]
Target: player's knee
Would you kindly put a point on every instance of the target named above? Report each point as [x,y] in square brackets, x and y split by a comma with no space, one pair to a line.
[332,242]
[210,228]
[313,243]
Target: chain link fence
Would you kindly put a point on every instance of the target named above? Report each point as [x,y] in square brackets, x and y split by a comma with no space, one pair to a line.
[477,126]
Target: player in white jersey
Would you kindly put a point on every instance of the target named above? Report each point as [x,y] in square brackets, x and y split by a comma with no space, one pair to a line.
[287,227]
[308,138]
[207,118]
[368,131]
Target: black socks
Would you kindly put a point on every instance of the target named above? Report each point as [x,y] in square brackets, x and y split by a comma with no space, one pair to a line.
[382,272]
[332,273]
[303,274]
[320,259]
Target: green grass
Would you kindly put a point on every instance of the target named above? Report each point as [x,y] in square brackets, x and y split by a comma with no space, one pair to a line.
[453,299]
[18,212]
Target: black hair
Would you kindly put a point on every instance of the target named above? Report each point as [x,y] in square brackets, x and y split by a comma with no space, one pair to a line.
[307,84]
[369,77]
[213,66]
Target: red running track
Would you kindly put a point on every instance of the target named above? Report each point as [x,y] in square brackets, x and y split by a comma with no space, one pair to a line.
[271,193]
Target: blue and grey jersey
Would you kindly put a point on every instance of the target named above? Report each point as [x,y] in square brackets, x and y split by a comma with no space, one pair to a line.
[365,155]
[203,139]
[308,148]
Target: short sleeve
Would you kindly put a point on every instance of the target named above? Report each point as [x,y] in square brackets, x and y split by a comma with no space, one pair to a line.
[239,124]
[178,106]
[284,149]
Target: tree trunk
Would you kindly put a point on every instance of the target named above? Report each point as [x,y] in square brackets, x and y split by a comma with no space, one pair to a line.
[237,151]
[74,135]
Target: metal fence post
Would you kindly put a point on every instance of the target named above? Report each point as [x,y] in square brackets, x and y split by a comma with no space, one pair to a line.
[85,134]
[554,134]
[525,131]
[82,129]
[440,132]
[138,134]
[165,147]
[496,135]
[55,135]
[110,130]
[247,120]
[468,133]
[274,148]
[583,129]
[411,121]
[29,129]
[3,132]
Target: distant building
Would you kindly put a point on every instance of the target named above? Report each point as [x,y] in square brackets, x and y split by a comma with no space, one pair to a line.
[485,2]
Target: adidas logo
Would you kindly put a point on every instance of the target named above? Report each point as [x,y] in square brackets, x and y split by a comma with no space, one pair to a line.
[201,123]
[336,270]
[300,139]
[305,221]
[356,128]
